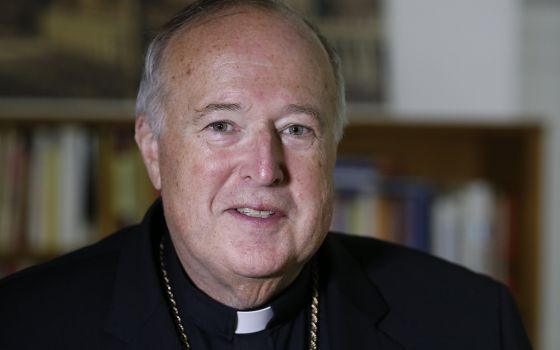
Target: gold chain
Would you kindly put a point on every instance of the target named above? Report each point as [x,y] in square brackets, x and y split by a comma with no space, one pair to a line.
[314,314]
[314,325]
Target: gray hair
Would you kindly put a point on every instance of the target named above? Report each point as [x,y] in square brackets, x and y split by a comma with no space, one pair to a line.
[152,90]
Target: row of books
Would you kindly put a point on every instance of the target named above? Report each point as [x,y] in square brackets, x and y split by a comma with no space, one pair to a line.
[470,224]
[66,186]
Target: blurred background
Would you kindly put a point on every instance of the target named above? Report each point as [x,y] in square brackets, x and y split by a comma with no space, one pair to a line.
[453,145]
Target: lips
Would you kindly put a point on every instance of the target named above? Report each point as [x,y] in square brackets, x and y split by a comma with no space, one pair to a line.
[258,211]
[261,214]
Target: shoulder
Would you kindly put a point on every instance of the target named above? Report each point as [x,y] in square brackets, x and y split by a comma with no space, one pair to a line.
[388,262]
[90,259]
[436,284]
[80,281]
[434,297]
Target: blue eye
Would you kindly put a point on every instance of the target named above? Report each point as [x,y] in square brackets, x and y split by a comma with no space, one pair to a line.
[298,130]
[221,126]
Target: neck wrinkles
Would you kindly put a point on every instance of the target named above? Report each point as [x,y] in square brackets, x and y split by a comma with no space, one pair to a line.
[237,292]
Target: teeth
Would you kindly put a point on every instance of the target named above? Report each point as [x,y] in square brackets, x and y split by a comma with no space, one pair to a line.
[255,213]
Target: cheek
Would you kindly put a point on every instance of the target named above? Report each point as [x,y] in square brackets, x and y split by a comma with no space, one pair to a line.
[312,179]
[180,157]
[178,168]
[198,172]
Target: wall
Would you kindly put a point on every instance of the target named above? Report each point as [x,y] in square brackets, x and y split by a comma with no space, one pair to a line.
[541,97]
[454,57]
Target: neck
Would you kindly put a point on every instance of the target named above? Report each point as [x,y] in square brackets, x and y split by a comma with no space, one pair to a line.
[239,292]
[242,293]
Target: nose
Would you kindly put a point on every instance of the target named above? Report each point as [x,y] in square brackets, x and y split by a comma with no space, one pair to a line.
[264,163]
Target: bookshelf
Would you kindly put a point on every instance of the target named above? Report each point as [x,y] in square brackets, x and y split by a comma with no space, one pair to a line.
[504,154]
[98,179]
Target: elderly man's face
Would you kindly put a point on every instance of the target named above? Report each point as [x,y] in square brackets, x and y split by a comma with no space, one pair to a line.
[247,150]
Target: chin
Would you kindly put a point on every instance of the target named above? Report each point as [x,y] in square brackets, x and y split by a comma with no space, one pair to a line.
[262,265]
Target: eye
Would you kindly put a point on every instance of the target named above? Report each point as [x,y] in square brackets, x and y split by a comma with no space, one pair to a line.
[221,126]
[298,130]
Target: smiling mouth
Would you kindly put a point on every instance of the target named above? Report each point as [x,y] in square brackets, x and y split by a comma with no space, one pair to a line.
[262,214]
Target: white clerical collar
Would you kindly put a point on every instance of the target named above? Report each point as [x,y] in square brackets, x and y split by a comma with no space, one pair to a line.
[253,321]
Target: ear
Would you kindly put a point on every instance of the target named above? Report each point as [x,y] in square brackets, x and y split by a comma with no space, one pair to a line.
[147,142]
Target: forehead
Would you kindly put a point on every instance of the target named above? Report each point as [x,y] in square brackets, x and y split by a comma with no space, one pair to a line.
[251,35]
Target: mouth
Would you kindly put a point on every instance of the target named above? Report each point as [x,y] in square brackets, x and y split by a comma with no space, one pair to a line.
[261,214]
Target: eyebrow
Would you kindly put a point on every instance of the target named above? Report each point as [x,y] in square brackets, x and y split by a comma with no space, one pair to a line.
[213,107]
[305,109]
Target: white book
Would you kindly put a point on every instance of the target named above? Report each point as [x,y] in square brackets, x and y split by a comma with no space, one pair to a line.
[477,203]
[43,219]
[363,215]
[445,240]
[73,188]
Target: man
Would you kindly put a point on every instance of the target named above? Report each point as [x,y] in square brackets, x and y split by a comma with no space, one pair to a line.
[239,114]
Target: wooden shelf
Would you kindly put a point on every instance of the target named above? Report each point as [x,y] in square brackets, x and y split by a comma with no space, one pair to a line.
[65,110]
[507,156]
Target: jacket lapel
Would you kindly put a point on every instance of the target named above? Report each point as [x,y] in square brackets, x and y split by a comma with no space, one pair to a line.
[138,316]
[353,307]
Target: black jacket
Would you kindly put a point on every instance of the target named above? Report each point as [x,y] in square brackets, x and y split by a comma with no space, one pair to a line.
[373,295]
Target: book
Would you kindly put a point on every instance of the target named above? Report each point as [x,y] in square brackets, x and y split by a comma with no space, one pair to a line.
[412,200]
[474,225]
[477,205]
[355,182]
[74,229]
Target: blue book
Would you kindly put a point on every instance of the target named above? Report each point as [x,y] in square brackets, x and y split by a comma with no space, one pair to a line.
[415,197]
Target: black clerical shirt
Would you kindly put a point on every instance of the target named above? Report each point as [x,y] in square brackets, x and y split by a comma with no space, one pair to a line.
[211,325]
